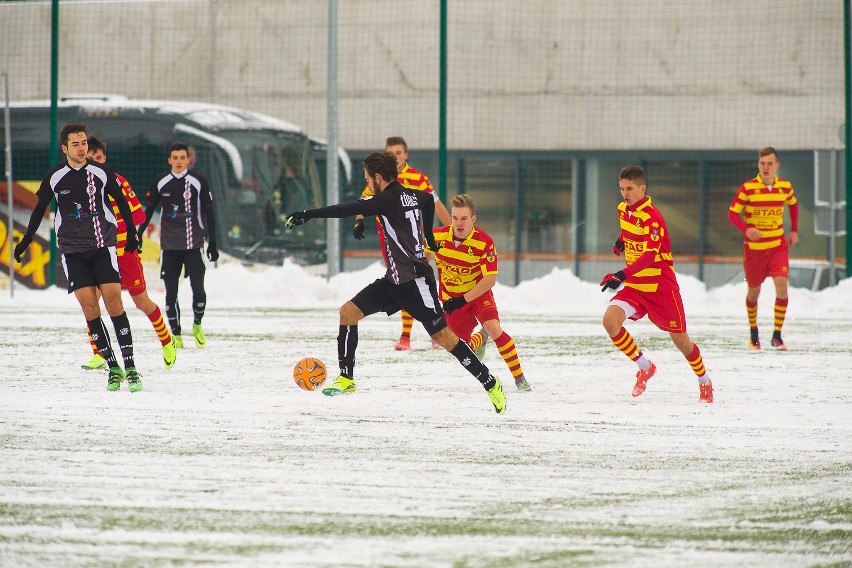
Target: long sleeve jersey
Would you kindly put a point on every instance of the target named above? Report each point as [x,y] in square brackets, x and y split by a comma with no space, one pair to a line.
[84,218]
[187,210]
[399,211]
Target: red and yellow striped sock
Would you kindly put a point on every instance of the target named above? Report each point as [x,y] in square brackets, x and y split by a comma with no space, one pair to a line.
[696,362]
[407,323]
[92,343]
[160,326]
[506,346]
[476,340]
[751,310]
[780,312]
[624,342]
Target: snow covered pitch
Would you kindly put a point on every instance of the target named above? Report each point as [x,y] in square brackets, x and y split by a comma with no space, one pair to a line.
[225,461]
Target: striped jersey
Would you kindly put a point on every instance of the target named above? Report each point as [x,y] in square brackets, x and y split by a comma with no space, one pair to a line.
[763,208]
[643,230]
[135,208]
[83,221]
[185,199]
[462,264]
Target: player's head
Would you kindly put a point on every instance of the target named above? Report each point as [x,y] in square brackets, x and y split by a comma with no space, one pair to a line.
[396,145]
[74,143]
[178,157]
[97,150]
[463,215]
[379,170]
[767,164]
[632,182]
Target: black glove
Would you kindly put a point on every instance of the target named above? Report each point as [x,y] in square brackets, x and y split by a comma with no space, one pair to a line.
[22,246]
[358,229]
[295,218]
[132,243]
[453,304]
[618,247]
[212,251]
[613,280]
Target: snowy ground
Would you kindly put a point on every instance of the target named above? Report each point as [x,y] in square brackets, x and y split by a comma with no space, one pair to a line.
[224,461]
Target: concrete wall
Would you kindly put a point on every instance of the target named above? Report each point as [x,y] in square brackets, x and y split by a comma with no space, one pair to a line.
[545,74]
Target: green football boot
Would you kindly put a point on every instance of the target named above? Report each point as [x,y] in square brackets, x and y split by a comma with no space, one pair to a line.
[178,342]
[341,385]
[198,333]
[170,353]
[498,399]
[96,362]
[134,381]
[116,375]
[522,384]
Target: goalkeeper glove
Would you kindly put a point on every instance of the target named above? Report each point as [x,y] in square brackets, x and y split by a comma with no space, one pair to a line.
[358,229]
[613,280]
[453,304]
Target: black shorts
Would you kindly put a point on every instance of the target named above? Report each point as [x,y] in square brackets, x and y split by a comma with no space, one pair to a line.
[91,268]
[418,297]
[172,261]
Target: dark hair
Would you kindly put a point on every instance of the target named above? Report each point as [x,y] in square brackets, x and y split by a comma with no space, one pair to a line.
[396,141]
[177,147]
[766,151]
[463,200]
[635,174]
[95,144]
[382,163]
[72,128]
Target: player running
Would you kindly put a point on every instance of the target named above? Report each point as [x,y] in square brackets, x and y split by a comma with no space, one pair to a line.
[409,282]
[650,286]
[467,271]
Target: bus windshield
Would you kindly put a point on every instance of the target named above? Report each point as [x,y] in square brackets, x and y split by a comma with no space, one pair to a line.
[278,177]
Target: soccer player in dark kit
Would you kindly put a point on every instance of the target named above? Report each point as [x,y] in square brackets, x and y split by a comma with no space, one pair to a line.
[86,231]
[187,212]
[409,282]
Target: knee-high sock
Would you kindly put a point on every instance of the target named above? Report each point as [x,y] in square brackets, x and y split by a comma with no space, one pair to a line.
[124,339]
[697,363]
[780,312]
[407,323]
[751,311]
[92,342]
[474,366]
[477,339]
[172,307]
[156,319]
[199,301]
[506,345]
[347,342]
[99,335]
[624,342]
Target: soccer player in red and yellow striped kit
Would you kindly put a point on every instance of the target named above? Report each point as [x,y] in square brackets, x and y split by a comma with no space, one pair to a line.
[412,179]
[761,201]
[650,286]
[130,267]
[467,271]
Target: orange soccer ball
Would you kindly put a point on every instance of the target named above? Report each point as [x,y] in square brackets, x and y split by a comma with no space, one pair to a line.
[309,373]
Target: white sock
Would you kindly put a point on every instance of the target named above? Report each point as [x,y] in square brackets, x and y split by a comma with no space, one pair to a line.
[704,379]
[643,362]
